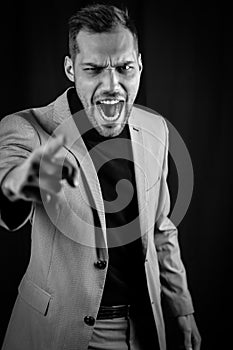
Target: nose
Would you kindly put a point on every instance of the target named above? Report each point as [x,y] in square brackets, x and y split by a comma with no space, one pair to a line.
[110,80]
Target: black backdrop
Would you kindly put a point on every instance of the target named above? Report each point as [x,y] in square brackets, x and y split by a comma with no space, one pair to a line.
[187,55]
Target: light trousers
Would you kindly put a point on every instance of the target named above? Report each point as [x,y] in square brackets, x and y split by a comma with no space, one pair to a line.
[115,334]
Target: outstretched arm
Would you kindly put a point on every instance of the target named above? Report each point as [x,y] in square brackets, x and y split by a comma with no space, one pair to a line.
[28,170]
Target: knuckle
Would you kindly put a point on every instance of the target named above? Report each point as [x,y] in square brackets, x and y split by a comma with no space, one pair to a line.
[187,330]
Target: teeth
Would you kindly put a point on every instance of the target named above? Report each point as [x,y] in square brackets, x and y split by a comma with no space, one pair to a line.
[109,102]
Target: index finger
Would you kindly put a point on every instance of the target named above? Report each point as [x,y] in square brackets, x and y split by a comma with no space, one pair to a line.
[53,146]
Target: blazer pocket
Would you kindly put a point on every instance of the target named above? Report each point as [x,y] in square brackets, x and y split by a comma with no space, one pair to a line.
[35,296]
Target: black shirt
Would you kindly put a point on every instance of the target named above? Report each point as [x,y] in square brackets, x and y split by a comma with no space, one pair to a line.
[113,160]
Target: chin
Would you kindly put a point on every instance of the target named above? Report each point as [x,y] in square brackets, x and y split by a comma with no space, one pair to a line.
[110,131]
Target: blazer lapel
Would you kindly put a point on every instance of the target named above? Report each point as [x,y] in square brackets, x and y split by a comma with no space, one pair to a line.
[75,144]
[138,146]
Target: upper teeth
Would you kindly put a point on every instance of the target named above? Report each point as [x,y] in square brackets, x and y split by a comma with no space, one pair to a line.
[109,102]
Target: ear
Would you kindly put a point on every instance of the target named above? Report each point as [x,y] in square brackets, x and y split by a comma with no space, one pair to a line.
[140,62]
[69,68]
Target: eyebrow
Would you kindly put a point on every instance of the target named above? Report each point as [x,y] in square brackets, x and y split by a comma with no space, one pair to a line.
[94,65]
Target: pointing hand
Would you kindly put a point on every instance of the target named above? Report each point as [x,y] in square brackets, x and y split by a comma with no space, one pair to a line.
[41,173]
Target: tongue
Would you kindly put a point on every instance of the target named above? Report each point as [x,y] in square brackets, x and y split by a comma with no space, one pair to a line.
[109,110]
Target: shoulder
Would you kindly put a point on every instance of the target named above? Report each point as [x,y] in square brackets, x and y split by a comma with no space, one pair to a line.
[21,128]
[21,121]
[25,121]
[17,129]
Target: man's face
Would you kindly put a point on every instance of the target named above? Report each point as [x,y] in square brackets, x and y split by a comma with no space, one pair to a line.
[106,73]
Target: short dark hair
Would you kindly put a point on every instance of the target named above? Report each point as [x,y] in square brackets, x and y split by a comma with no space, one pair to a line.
[98,18]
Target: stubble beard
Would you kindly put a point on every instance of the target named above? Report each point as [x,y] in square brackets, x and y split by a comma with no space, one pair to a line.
[103,129]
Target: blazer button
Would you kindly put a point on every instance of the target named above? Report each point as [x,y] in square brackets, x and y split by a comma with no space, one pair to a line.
[101,264]
[89,320]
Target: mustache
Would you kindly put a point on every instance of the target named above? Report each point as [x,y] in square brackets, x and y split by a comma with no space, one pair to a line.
[109,95]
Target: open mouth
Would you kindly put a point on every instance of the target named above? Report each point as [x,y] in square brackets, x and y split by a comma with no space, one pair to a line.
[110,109]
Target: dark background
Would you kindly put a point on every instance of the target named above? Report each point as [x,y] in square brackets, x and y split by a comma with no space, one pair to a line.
[187,54]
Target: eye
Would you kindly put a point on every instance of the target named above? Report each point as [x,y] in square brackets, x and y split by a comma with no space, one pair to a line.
[93,70]
[125,68]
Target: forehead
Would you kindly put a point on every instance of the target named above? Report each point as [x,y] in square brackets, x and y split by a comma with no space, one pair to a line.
[116,45]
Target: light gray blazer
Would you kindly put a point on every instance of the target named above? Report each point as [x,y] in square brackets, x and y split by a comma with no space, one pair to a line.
[62,284]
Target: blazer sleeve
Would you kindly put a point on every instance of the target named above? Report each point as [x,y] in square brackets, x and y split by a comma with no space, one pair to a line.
[18,138]
[173,279]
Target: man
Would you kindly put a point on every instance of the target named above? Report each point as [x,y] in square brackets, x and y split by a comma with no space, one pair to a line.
[93,184]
